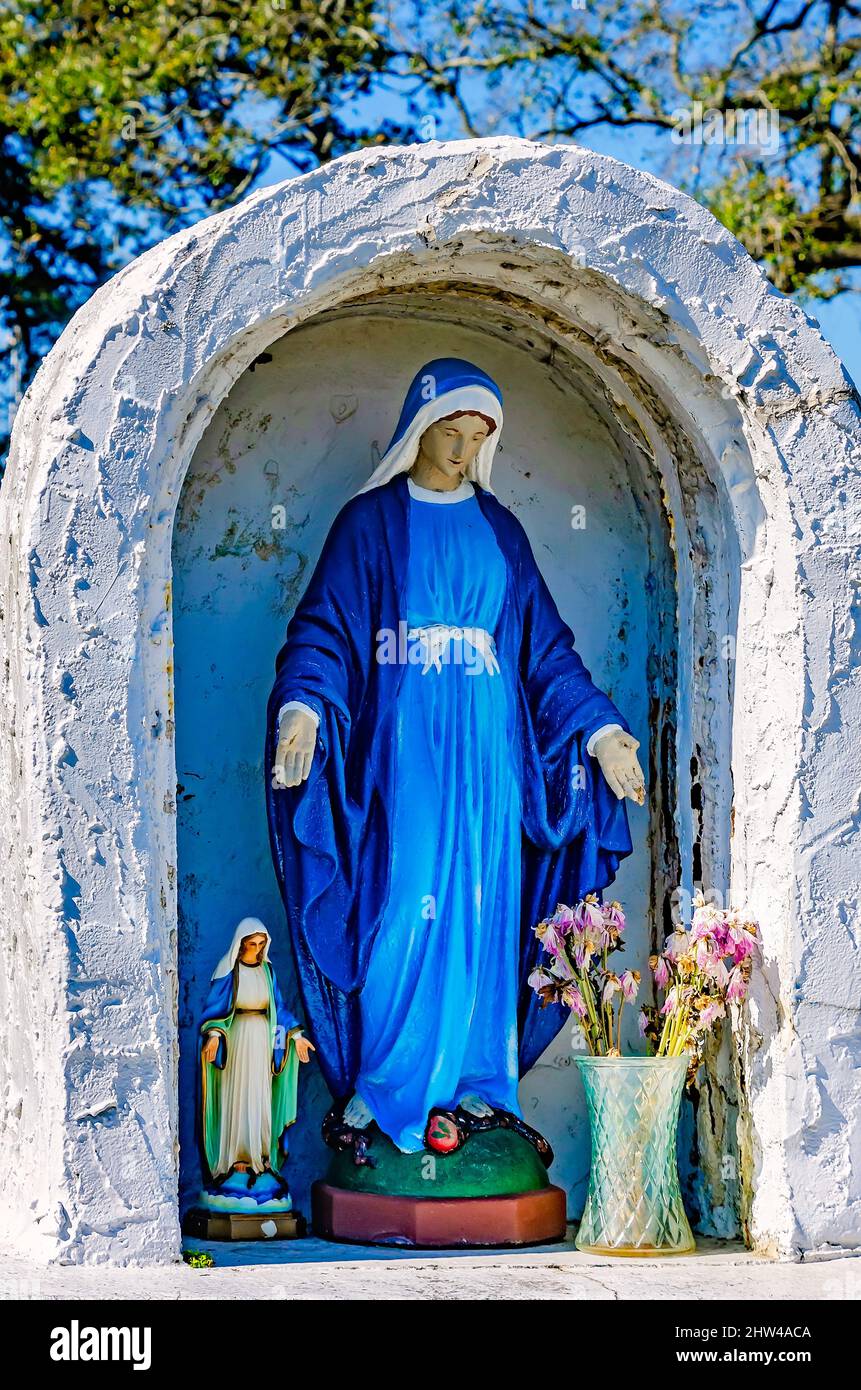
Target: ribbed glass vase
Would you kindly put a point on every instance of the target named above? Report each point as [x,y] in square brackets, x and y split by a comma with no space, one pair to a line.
[634,1205]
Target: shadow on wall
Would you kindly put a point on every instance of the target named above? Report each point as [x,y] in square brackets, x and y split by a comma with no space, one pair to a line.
[298,435]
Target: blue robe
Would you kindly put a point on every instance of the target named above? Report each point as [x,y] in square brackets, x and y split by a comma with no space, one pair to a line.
[439,1001]
[335,838]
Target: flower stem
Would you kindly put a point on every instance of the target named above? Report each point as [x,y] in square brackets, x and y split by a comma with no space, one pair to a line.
[586,991]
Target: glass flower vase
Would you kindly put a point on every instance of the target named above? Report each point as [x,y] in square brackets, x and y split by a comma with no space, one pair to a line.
[634,1205]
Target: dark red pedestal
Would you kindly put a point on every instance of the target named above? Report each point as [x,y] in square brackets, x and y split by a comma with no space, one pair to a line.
[369,1218]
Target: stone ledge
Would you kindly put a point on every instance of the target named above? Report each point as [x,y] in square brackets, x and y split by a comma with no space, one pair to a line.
[316,1269]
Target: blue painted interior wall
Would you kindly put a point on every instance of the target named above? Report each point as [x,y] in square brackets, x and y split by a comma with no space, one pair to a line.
[296,437]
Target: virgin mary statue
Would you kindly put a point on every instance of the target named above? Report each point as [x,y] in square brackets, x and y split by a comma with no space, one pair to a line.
[443,772]
[250,1050]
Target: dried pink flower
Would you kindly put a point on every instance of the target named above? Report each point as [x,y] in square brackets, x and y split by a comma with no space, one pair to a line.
[574,1000]
[614,917]
[582,954]
[671,1002]
[588,917]
[563,919]
[550,937]
[629,983]
[676,945]
[660,970]
[711,1013]
[540,978]
[611,987]
[561,967]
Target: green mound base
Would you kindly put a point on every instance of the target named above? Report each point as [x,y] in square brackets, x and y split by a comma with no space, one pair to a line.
[496,1163]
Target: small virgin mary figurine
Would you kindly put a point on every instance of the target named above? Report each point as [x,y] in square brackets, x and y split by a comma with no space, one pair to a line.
[251,1047]
[441,771]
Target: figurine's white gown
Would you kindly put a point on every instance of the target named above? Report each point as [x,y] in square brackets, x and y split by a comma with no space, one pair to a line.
[246,1086]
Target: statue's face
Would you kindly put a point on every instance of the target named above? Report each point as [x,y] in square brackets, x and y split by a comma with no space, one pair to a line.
[251,949]
[451,445]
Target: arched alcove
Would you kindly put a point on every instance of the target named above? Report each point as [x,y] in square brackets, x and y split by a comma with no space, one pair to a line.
[295,438]
[656,347]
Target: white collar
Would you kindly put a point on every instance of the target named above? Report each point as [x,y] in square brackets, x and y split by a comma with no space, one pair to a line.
[427,494]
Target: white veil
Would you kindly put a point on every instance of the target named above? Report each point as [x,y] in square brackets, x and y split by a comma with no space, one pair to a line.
[401,455]
[249,926]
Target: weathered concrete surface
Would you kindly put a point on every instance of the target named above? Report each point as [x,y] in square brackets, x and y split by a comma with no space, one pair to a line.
[313,1269]
[745,422]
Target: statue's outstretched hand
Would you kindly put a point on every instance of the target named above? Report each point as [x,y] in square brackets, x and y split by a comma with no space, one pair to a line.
[304,1047]
[210,1047]
[617,758]
[297,738]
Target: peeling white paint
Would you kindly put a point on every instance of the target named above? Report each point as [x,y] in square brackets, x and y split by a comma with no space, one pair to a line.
[732,403]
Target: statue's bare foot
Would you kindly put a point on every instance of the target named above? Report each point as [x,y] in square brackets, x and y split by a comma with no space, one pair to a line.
[357,1113]
[474,1105]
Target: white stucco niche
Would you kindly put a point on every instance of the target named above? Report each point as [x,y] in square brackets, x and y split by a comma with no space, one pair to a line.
[728,428]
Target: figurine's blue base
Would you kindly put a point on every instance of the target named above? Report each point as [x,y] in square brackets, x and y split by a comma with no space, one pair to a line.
[245,1194]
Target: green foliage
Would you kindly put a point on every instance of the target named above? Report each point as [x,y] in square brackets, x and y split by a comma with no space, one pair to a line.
[557,69]
[122,121]
[198,1259]
[767,217]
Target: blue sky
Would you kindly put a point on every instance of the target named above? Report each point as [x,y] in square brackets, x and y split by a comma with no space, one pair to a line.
[839,318]
[840,321]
